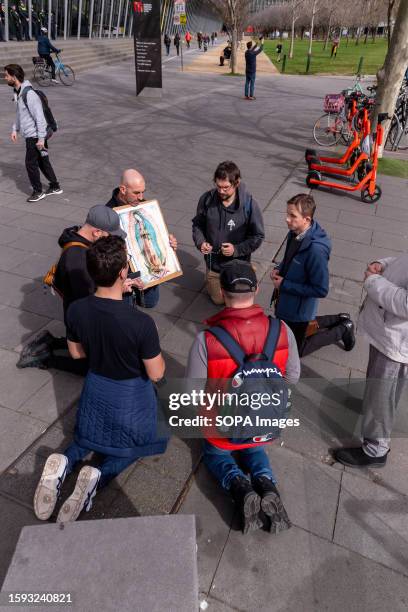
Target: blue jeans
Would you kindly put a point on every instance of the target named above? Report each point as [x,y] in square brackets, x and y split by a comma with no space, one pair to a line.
[110,467]
[148,298]
[249,85]
[223,466]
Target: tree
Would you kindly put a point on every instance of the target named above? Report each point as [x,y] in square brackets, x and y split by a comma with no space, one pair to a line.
[235,15]
[314,6]
[390,76]
[295,12]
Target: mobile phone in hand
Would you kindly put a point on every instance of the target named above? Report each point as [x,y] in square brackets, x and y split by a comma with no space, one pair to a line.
[134,275]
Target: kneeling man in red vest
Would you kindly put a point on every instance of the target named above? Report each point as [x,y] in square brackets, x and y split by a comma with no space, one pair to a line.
[242,328]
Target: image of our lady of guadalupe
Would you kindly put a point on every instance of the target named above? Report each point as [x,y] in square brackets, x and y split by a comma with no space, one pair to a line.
[149,243]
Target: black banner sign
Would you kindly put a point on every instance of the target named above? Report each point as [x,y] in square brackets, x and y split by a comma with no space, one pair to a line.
[147,38]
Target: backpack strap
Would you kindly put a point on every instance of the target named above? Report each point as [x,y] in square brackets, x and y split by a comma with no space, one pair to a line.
[229,343]
[24,95]
[68,245]
[272,338]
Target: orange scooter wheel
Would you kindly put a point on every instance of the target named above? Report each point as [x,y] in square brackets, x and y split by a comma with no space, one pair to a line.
[313,174]
[371,199]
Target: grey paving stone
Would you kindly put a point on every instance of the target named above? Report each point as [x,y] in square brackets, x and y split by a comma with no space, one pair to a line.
[146,492]
[10,235]
[39,243]
[35,265]
[18,432]
[192,279]
[373,222]
[39,223]
[179,460]
[155,582]
[360,252]
[18,385]
[52,400]
[20,481]
[371,520]
[16,326]
[356,359]
[392,212]
[316,367]
[387,240]
[347,268]
[54,440]
[345,203]
[180,338]
[201,308]
[303,572]
[9,257]
[330,305]
[56,328]
[15,289]
[174,300]
[164,322]
[13,517]
[349,233]
[214,511]
[346,291]
[42,302]
[183,234]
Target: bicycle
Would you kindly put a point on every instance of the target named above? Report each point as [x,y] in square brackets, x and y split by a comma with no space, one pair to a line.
[43,73]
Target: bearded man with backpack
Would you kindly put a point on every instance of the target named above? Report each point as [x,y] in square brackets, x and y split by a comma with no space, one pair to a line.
[214,357]
[35,123]
[228,225]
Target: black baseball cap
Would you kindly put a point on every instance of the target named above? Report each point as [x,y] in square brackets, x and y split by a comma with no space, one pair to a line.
[104,218]
[238,276]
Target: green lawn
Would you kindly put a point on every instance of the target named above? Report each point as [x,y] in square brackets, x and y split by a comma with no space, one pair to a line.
[346,61]
[393,167]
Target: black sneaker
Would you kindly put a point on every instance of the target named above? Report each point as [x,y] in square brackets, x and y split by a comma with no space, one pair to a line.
[36,196]
[248,503]
[348,336]
[53,191]
[357,458]
[42,338]
[344,316]
[38,359]
[272,505]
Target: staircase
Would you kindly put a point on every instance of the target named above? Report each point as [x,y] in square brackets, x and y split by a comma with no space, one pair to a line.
[79,54]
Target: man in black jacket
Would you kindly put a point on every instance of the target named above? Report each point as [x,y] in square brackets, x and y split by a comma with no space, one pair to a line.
[73,282]
[228,225]
[250,68]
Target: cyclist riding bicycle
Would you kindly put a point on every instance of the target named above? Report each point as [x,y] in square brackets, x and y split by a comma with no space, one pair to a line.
[45,47]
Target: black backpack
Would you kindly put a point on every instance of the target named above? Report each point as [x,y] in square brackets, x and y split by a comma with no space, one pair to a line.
[52,125]
[255,375]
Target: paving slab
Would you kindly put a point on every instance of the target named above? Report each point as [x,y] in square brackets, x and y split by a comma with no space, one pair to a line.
[17,326]
[297,570]
[73,559]
[371,520]
[18,432]
[17,386]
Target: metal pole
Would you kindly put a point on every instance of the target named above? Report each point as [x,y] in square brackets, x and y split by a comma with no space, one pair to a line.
[79,19]
[131,26]
[126,17]
[102,16]
[118,20]
[360,65]
[30,16]
[56,19]
[91,18]
[49,17]
[284,63]
[181,50]
[6,21]
[65,18]
[110,18]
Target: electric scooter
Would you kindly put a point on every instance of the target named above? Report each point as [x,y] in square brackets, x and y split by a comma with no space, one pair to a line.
[370,191]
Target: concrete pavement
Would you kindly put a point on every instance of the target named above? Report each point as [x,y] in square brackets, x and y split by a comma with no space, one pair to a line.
[347,548]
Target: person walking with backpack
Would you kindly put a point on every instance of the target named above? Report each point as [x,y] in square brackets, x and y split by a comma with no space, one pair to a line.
[177,41]
[167,43]
[244,327]
[228,225]
[250,67]
[32,124]
[44,49]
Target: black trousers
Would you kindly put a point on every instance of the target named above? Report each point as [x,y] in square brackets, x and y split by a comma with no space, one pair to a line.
[49,62]
[35,162]
[60,359]
[330,331]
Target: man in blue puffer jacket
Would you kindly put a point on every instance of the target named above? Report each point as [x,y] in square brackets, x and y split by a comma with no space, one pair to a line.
[303,277]
[44,48]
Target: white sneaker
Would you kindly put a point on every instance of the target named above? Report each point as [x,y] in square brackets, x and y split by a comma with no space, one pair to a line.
[55,81]
[81,498]
[49,487]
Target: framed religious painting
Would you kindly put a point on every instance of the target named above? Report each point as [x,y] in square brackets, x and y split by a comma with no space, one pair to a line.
[148,243]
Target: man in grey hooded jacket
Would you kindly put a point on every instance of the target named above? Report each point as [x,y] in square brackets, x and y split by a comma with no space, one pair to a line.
[384,321]
[32,125]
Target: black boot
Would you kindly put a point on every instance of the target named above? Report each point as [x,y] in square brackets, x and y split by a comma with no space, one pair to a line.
[348,336]
[271,504]
[248,503]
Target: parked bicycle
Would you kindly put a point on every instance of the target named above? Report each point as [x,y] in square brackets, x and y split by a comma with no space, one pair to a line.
[43,73]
